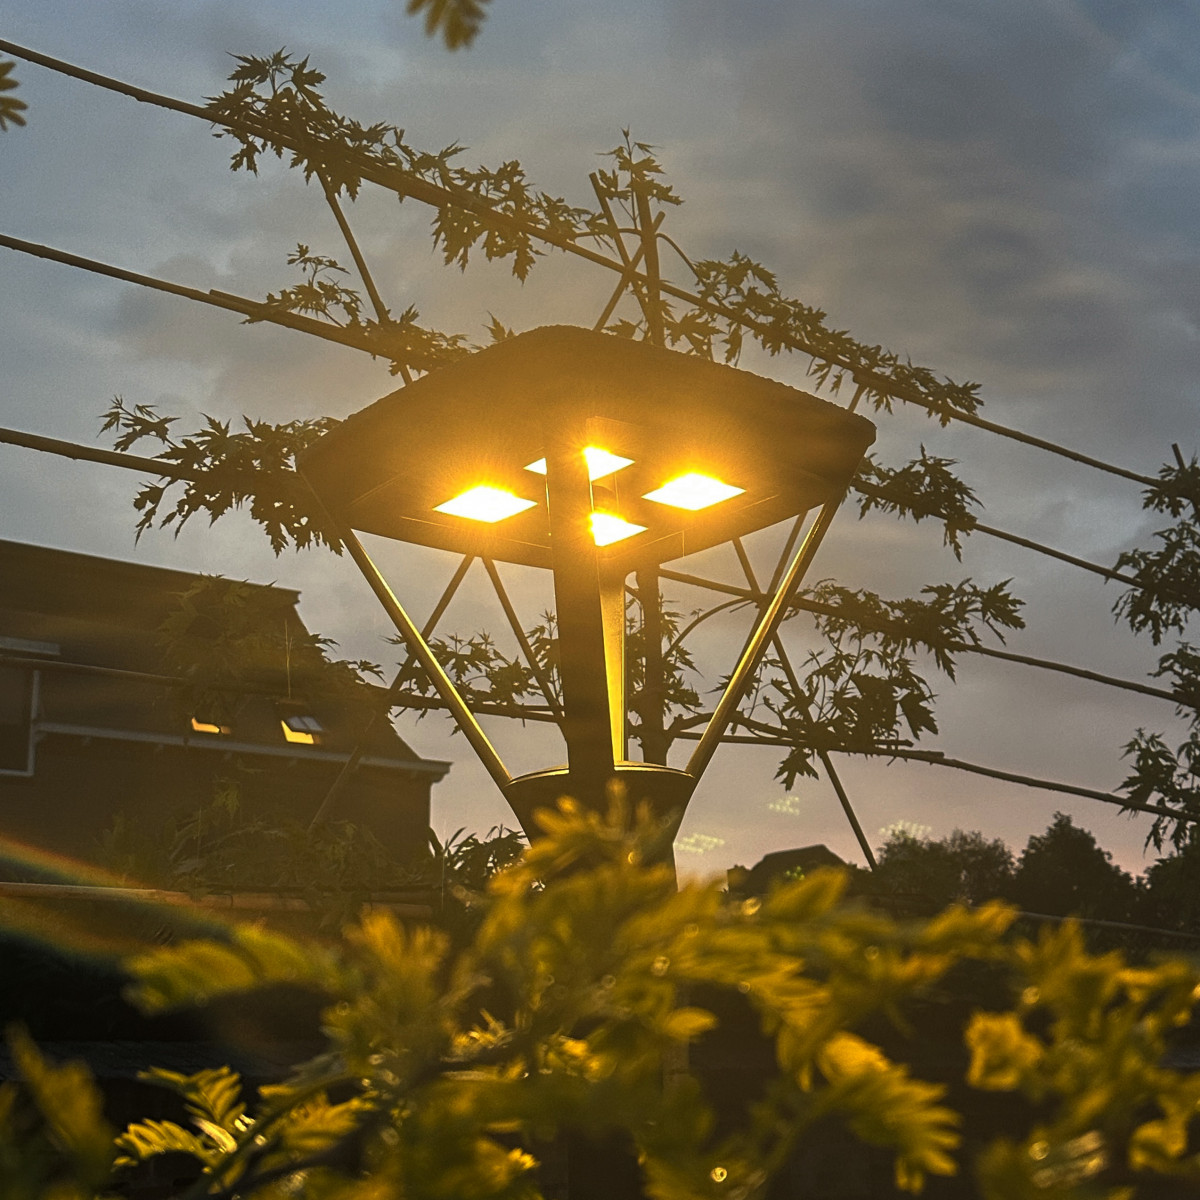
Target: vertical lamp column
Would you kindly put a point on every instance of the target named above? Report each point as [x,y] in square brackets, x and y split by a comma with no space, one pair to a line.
[590,650]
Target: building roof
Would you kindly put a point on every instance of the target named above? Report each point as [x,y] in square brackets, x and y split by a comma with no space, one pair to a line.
[782,864]
[93,626]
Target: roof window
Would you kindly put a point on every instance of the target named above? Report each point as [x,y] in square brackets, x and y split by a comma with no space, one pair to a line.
[200,726]
[301,729]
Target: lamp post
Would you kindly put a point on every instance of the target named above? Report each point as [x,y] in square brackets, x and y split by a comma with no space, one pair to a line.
[591,456]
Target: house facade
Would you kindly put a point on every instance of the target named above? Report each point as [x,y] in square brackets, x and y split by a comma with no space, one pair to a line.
[93,724]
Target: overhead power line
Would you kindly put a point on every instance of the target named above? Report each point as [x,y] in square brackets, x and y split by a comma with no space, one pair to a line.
[938,759]
[767,734]
[167,469]
[253,309]
[406,183]
[356,338]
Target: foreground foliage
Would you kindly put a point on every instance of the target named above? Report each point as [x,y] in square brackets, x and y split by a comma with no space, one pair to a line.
[450,1073]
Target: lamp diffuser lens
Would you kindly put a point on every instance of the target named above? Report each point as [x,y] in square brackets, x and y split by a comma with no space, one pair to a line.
[694,491]
[599,462]
[608,528]
[485,503]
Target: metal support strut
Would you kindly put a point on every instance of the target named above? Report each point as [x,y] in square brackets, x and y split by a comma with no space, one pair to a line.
[420,649]
[768,625]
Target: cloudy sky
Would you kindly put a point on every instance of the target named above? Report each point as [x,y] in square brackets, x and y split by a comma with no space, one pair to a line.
[1003,192]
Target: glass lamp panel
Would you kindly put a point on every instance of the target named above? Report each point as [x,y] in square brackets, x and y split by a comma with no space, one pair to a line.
[485,503]
[608,528]
[694,491]
[600,462]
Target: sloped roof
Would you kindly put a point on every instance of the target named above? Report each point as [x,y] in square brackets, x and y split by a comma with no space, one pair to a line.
[92,624]
[773,867]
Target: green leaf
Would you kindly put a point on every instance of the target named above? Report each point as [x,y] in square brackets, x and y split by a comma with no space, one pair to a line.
[147,1139]
[71,1105]
[1002,1053]
[196,971]
[213,1095]
[10,107]
[458,21]
[687,1024]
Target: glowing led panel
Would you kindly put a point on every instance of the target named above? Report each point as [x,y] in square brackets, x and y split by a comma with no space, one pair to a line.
[694,491]
[599,462]
[485,503]
[608,528]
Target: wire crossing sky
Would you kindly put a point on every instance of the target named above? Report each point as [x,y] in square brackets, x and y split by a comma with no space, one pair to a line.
[901,178]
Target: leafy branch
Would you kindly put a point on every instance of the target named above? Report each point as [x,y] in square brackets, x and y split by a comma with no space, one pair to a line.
[223,638]
[11,109]
[860,692]
[458,21]
[481,672]
[252,468]
[1168,582]
[922,489]
[748,300]
[447,1069]
[320,295]
[1166,777]
[1168,579]
[635,171]
[849,696]
[410,347]
[275,107]
[1163,776]
[950,618]
[671,693]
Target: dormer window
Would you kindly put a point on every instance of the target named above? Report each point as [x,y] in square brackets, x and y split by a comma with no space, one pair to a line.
[301,729]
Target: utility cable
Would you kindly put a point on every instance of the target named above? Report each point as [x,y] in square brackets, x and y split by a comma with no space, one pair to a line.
[774,736]
[355,338]
[162,467]
[394,178]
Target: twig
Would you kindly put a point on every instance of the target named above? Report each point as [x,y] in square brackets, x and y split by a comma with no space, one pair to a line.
[382,314]
[510,613]
[794,683]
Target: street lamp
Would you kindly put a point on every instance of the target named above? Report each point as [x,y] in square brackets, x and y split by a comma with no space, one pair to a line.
[591,456]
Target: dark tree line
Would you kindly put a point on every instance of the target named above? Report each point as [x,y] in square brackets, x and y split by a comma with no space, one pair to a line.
[1061,872]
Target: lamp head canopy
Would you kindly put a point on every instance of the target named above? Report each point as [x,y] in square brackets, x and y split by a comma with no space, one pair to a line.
[683,453]
[593,456]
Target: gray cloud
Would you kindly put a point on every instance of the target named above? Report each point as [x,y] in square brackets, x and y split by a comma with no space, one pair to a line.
[969,182]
